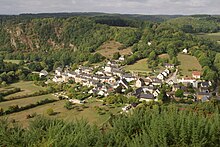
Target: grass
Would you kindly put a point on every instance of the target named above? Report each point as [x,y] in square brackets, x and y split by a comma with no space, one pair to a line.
[13,61]
[139,66]
[212,36]
[26,88]
[187,64]
[111,47]
[25,101]
[89,114]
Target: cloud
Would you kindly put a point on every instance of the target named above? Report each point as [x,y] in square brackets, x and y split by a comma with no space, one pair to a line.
[111,6]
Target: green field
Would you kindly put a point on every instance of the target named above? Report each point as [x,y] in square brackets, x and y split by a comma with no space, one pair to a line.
[187,64]
[212,36]
[139,66]
[25,101]
[26,88]
[89,114]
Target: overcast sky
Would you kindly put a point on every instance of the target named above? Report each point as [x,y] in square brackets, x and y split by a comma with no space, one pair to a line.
[112,6]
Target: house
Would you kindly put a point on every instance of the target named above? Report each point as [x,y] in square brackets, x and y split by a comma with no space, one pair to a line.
[196,74]
[58,71]
[111,80]
[43,73]
[165,74]
[147,89]
[139,83]
[205,84]
[65,77]
[156,82]
[147,97]
[122,58]
[167,71]
[203,96]
[185,51]
[71,74]
[149,43]
[124,83]
[57,79]
[169,66]
[156,93]
[117,72]
[76,101]
[188,80]
[128,77]
[160,76]
[108,69]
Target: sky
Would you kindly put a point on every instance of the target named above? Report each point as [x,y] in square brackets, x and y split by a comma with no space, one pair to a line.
[148,7]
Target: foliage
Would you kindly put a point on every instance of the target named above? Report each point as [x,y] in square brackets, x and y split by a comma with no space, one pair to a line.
[179,93]
[165,125]
[50,111]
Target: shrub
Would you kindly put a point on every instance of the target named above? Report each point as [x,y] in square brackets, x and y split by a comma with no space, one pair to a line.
[50,111]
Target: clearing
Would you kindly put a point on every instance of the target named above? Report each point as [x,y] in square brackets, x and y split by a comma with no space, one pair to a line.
[111,47]
[188,64]
[139,66]
[212,36]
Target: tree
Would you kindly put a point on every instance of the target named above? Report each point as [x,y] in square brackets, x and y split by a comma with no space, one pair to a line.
[50,111]
[1,111]
[152,55]
[68,105]
[116,55]
[179,93]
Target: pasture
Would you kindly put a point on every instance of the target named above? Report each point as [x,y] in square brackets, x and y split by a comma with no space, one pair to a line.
[188,64]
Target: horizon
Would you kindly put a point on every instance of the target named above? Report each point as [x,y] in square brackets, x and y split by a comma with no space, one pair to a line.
[141,7]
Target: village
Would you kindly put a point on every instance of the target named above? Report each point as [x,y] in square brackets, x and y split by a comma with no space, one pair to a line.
[110,78]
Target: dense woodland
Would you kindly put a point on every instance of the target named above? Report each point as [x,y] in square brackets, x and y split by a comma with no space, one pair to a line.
[149,125]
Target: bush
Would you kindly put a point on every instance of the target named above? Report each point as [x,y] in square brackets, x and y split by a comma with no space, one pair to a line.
[50,111]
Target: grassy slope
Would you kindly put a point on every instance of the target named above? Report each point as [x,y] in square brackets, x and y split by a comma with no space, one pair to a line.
[139,66]
[110,47]
[26,87]
[25,101]
[212,36]
[89,114]
[188,63]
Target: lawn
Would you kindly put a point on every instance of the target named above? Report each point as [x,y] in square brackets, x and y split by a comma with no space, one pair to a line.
[89,114]
[26,88]
[139,66]
[111,47]
[25,101]
[188,63]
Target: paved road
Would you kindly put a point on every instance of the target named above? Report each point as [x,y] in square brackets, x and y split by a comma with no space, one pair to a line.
[173,77]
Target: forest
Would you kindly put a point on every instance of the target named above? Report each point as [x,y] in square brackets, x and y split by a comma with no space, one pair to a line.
[148,125]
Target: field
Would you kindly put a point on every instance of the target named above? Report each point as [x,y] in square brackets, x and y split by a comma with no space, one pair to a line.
[89,114]
[187,64]
[212,36]
[139,66]
[110,47]
[86,111]
[25,101]
[26,88]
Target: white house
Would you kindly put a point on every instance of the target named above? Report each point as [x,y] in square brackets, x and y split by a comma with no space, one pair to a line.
[43,73]
[147,97]
[185,51]
[164,74]
[149,43]
[122,58]
[196,74]
[58,71]
[160,76]
[139,83]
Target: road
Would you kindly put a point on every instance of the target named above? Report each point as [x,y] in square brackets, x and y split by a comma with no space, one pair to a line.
[173,77]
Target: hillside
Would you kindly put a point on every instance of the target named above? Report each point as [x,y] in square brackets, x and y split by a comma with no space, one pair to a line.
[196,24]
